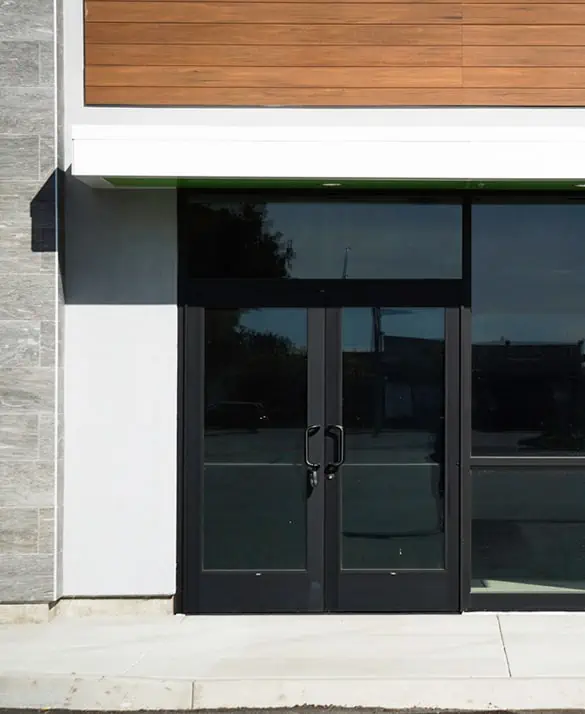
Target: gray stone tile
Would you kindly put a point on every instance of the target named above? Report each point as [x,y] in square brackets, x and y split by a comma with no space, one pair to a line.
[19,157]
[27,297]
[47,64]
[19,436]
[16,255]
[19,64]
[18,194]
[19,530]
[46,530]
[27,484]
[47,157]
[15,205]
[24,389]
[47,436]
[26,110]
[20,343]
[26,578]
[26,19]
[48,352]
[15,209]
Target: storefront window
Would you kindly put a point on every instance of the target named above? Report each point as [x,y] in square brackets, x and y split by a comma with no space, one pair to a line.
[528,530]
[321,239]
[528,308]
[528,399]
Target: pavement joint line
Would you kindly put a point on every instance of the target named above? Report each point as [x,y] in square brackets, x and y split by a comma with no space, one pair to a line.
[499,621]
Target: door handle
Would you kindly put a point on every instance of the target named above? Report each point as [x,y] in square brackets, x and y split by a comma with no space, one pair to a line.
[312,466]
[337,432]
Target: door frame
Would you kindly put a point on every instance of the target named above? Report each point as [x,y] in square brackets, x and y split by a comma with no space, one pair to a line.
[196,295]
[322,579]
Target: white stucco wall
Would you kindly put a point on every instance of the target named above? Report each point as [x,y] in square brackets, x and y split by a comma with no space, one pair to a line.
[120,393]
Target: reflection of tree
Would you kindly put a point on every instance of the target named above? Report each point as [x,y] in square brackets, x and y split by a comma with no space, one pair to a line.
[235,241]
[249,366]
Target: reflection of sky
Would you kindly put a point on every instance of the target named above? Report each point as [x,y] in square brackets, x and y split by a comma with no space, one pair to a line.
[528,266]
[386,240]
[529,273]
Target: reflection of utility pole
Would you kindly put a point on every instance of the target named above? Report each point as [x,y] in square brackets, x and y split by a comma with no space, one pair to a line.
[345,262]
[379,381]
[379,367]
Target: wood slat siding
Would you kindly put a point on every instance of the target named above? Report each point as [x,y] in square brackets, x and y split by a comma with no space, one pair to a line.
[342,53]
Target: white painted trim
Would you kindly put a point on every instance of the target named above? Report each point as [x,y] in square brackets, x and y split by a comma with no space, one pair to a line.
[351,152]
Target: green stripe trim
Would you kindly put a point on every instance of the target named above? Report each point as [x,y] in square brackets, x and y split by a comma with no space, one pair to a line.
[341,184]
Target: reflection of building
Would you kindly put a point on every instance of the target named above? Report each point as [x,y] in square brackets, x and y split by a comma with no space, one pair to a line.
[404,384]
[527,386]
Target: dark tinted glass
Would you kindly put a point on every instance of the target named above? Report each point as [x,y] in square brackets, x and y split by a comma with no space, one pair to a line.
[528,330]
[528,530]
[254,492]
[393,410]
[322,240]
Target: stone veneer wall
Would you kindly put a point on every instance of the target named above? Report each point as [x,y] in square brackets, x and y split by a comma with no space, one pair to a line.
[30,305]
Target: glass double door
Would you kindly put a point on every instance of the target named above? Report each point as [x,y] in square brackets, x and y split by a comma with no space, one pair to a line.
[321,459]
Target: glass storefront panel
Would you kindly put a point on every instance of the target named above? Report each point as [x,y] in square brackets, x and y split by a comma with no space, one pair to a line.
[528,530]
[393,482]
[254,482]
[528,313]
[329,239]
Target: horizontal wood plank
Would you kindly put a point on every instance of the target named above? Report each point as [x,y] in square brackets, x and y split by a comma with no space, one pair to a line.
[523,97]
[201,96]
[526,13]
[230,34]
[324,77]
[270,56]
[387,2]
[272,12]
[538,35]
[524,77]
[315,97]
[480,56]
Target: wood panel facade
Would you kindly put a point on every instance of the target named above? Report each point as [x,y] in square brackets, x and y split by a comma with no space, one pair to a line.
[335,53]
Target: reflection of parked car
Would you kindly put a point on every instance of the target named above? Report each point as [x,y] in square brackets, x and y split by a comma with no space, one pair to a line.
[236,415]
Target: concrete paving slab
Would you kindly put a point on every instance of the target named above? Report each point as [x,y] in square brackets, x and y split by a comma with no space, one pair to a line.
[332,646]
[130,694]
[551,655]
[457,694]
[99,694]
[394,656]
[273,625]
[544,623]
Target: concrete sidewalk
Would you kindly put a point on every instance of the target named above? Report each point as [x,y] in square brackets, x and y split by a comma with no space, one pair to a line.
[474,661]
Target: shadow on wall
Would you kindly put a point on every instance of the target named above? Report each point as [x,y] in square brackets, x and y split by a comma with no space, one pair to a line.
[46,211]
[116,246]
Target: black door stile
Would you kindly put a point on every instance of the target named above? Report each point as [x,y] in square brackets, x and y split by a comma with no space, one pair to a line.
[315,500]
[393,589]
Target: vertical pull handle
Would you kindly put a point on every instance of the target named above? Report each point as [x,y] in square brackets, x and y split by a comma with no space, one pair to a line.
[337,432]
[312,466]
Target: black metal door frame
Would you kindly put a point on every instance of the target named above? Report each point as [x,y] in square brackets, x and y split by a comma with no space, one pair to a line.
[406,590]
[195,591]
[318,588]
